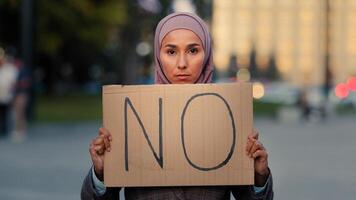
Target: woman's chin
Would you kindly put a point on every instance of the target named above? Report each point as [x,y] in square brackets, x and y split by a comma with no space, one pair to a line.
[182,82]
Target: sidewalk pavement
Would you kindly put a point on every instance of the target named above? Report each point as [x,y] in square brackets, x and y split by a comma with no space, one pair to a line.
[308,160]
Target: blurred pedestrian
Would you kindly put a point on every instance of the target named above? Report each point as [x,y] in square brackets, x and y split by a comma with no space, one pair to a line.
[21,96]
[303,105]
[8,76]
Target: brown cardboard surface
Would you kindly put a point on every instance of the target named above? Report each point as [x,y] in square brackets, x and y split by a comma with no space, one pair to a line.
[175,135]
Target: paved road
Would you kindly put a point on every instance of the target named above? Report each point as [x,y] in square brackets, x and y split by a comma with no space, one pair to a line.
[308,161]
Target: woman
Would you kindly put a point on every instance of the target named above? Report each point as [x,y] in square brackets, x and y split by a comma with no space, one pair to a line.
[182,55]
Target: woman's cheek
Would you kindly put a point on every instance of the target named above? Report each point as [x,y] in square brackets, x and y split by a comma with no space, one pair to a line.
[197,67]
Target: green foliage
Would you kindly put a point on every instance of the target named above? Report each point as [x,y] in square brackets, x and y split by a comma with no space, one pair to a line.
[265,109]
[85,22]
[68,108]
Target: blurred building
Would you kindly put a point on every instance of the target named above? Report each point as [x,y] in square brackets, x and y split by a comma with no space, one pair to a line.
[294,31]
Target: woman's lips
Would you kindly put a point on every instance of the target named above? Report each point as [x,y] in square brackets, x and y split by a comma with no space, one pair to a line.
[182,76]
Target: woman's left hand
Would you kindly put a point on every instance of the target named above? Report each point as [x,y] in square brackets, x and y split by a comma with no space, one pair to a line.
[257,151]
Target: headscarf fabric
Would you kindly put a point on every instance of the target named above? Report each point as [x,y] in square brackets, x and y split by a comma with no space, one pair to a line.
[189,21]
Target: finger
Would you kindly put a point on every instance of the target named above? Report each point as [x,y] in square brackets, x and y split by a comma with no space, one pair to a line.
[249,144]
[256,146]
[260,154]
[254,134]
[105,132]
[98,140]
[98,145]
[100,149]
[92,151]
[106,142]
[105,135]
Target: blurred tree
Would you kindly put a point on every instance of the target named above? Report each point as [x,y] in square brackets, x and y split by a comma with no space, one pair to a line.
[9,27]
[232,67]
[74,33]
[204,9]
[85,22]
[254,70]
[85,32]
[272,72]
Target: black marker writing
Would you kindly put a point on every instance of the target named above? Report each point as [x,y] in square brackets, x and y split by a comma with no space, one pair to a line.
[233,133]
[159,158]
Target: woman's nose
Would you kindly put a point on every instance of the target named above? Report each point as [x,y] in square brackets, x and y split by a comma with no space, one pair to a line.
[182,62]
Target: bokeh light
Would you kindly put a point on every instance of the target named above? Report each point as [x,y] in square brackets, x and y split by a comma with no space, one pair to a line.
[351,83]
[258,90]
[183,6]
[143,49]
[243,75]
[342,90]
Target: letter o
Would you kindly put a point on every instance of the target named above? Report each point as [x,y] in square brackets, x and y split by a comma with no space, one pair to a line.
[233,133]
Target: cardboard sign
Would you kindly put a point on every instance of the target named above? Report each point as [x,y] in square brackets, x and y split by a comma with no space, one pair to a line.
[178,135]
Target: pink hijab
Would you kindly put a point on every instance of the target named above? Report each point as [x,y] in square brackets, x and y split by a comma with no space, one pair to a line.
[182,20]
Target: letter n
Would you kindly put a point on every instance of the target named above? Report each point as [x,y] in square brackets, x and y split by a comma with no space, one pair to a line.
[159,158]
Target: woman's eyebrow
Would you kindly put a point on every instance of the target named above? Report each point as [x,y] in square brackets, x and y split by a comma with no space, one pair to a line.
[170,45]
[188,46]
[193,45]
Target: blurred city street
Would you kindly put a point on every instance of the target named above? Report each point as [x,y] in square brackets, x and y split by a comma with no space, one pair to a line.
[308,160]
[299,56]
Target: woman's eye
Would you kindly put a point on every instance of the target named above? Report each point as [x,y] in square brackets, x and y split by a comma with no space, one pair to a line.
[171,52]
[193,51]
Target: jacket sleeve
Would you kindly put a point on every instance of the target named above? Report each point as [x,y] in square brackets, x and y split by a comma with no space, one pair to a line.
[88,191]
[248,192]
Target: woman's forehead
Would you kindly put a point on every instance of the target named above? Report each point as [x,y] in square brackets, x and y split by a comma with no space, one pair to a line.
[181,37]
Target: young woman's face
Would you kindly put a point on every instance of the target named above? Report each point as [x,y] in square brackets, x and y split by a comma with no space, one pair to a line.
[182,56]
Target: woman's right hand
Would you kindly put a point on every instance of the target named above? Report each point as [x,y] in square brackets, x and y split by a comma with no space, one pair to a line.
[98,147]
